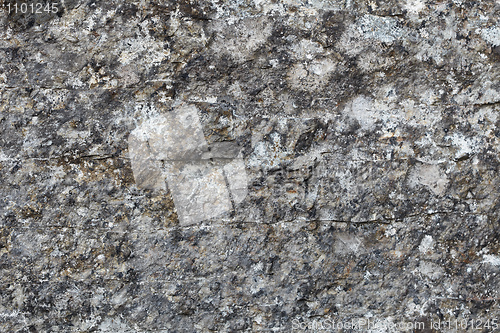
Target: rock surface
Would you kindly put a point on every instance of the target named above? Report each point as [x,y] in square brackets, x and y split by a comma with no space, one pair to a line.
[370,137]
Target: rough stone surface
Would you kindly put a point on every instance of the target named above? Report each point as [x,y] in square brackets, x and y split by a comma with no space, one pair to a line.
[370,137]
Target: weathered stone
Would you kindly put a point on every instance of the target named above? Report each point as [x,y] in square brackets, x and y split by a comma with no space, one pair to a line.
[196,166]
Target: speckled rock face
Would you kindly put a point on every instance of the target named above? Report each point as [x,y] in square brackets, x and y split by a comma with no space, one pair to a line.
[247,166]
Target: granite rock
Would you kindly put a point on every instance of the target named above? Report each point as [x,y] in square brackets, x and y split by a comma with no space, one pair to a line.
[366,136]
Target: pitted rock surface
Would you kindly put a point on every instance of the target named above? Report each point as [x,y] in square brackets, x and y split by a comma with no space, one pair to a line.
[367,136]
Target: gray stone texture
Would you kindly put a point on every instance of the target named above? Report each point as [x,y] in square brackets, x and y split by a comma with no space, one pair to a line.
[370,137]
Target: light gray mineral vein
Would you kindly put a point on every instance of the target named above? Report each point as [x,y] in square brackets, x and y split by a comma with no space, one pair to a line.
[249,166]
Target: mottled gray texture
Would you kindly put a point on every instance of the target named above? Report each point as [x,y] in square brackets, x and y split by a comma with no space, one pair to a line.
[370,136]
